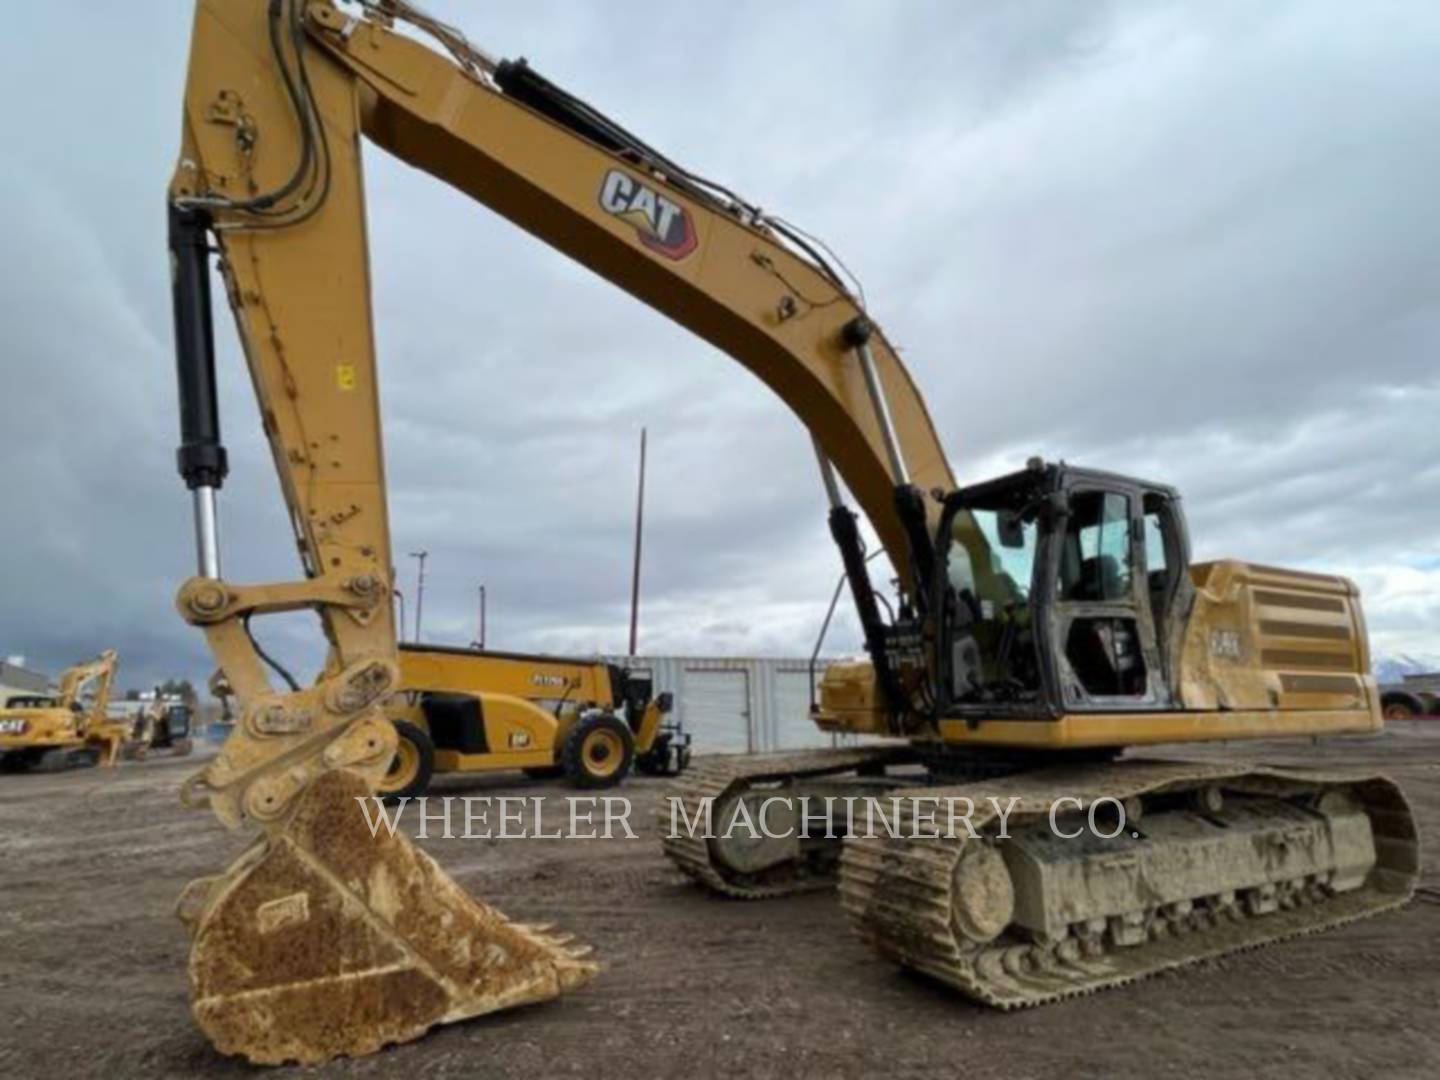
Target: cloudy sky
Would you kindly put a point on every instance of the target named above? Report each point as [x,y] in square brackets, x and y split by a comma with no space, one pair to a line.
[1191,241]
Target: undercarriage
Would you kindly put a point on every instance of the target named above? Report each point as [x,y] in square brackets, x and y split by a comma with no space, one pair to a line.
[49,759]
[1050,881]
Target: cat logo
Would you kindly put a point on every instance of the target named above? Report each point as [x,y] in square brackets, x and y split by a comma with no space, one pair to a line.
[661,224]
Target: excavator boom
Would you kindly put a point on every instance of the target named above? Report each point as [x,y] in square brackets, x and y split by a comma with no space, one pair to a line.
[278,96]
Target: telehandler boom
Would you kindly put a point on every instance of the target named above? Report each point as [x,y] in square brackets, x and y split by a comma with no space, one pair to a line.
[1044,620]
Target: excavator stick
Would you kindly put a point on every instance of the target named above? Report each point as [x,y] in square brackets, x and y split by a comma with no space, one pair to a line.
[327,937]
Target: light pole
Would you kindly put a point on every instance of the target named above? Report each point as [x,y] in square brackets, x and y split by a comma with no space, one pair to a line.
[480,641]
[639,534]
[419,590]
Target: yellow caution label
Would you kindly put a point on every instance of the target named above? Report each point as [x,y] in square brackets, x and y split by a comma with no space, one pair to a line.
[345,376]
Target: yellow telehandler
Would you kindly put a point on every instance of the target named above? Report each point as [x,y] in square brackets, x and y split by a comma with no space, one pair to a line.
[467,710]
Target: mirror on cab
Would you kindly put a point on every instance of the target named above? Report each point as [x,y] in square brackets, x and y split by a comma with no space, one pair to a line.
[1010,529]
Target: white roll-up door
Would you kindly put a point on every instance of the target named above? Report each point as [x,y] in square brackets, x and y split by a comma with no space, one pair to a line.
[715,709]
[793,727]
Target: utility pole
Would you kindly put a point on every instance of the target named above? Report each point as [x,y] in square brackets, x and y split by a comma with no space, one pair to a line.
[480,641]
[419,590]
[639,536]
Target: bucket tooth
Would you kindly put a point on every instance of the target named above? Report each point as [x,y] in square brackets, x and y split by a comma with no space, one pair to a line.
[323,940]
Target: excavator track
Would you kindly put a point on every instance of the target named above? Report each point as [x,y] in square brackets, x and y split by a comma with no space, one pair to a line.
[952,908]
[64,758]
[719,779]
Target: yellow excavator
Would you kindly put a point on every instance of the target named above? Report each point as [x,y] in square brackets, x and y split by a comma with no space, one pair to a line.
[1044,620]
[66,730]
[160,722]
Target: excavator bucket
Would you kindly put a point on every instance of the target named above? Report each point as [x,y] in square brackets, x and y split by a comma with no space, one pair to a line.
[324,940]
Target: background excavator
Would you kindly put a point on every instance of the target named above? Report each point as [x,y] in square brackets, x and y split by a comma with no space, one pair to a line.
[158,722]
[68,729]
[1044,621]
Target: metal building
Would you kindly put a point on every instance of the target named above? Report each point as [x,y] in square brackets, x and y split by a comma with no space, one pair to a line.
[17,679]
[1421,680]
[738,705]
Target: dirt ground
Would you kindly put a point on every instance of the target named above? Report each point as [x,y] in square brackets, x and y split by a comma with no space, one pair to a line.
[92,962]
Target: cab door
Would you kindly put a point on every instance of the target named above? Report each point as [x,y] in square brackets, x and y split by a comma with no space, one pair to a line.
[1103,631]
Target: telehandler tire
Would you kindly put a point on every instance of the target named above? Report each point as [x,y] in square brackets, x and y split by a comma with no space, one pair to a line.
[1400,705]
[411,767]
[598,752]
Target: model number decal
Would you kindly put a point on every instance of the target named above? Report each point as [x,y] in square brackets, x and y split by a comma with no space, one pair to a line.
[1225,643]
[662,225]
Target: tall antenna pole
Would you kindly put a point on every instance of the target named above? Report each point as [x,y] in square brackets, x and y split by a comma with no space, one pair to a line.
[481,639]
[639,535]
[419,590]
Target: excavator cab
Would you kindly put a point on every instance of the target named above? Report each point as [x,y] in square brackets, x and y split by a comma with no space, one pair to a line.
[1060,590]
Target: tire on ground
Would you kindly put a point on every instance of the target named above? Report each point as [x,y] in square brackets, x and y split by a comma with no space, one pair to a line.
[412,766]
[598,752]
[1401,705]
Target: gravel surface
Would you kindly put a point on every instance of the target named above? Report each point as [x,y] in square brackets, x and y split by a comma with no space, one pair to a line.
[92,961]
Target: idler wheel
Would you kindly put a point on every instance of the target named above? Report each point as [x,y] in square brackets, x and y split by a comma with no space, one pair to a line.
[982,894]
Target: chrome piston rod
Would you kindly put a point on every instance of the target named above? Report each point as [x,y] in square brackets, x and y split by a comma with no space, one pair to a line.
[207,531]
[857,336]
[827,476]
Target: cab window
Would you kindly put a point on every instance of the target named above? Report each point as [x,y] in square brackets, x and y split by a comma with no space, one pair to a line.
[1011,551]
[1154,543]
[1096,564]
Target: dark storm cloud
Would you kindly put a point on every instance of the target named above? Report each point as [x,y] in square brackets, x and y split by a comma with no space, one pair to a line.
[1192,241]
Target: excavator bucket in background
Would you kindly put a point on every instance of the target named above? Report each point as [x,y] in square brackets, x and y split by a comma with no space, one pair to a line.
[323,940]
